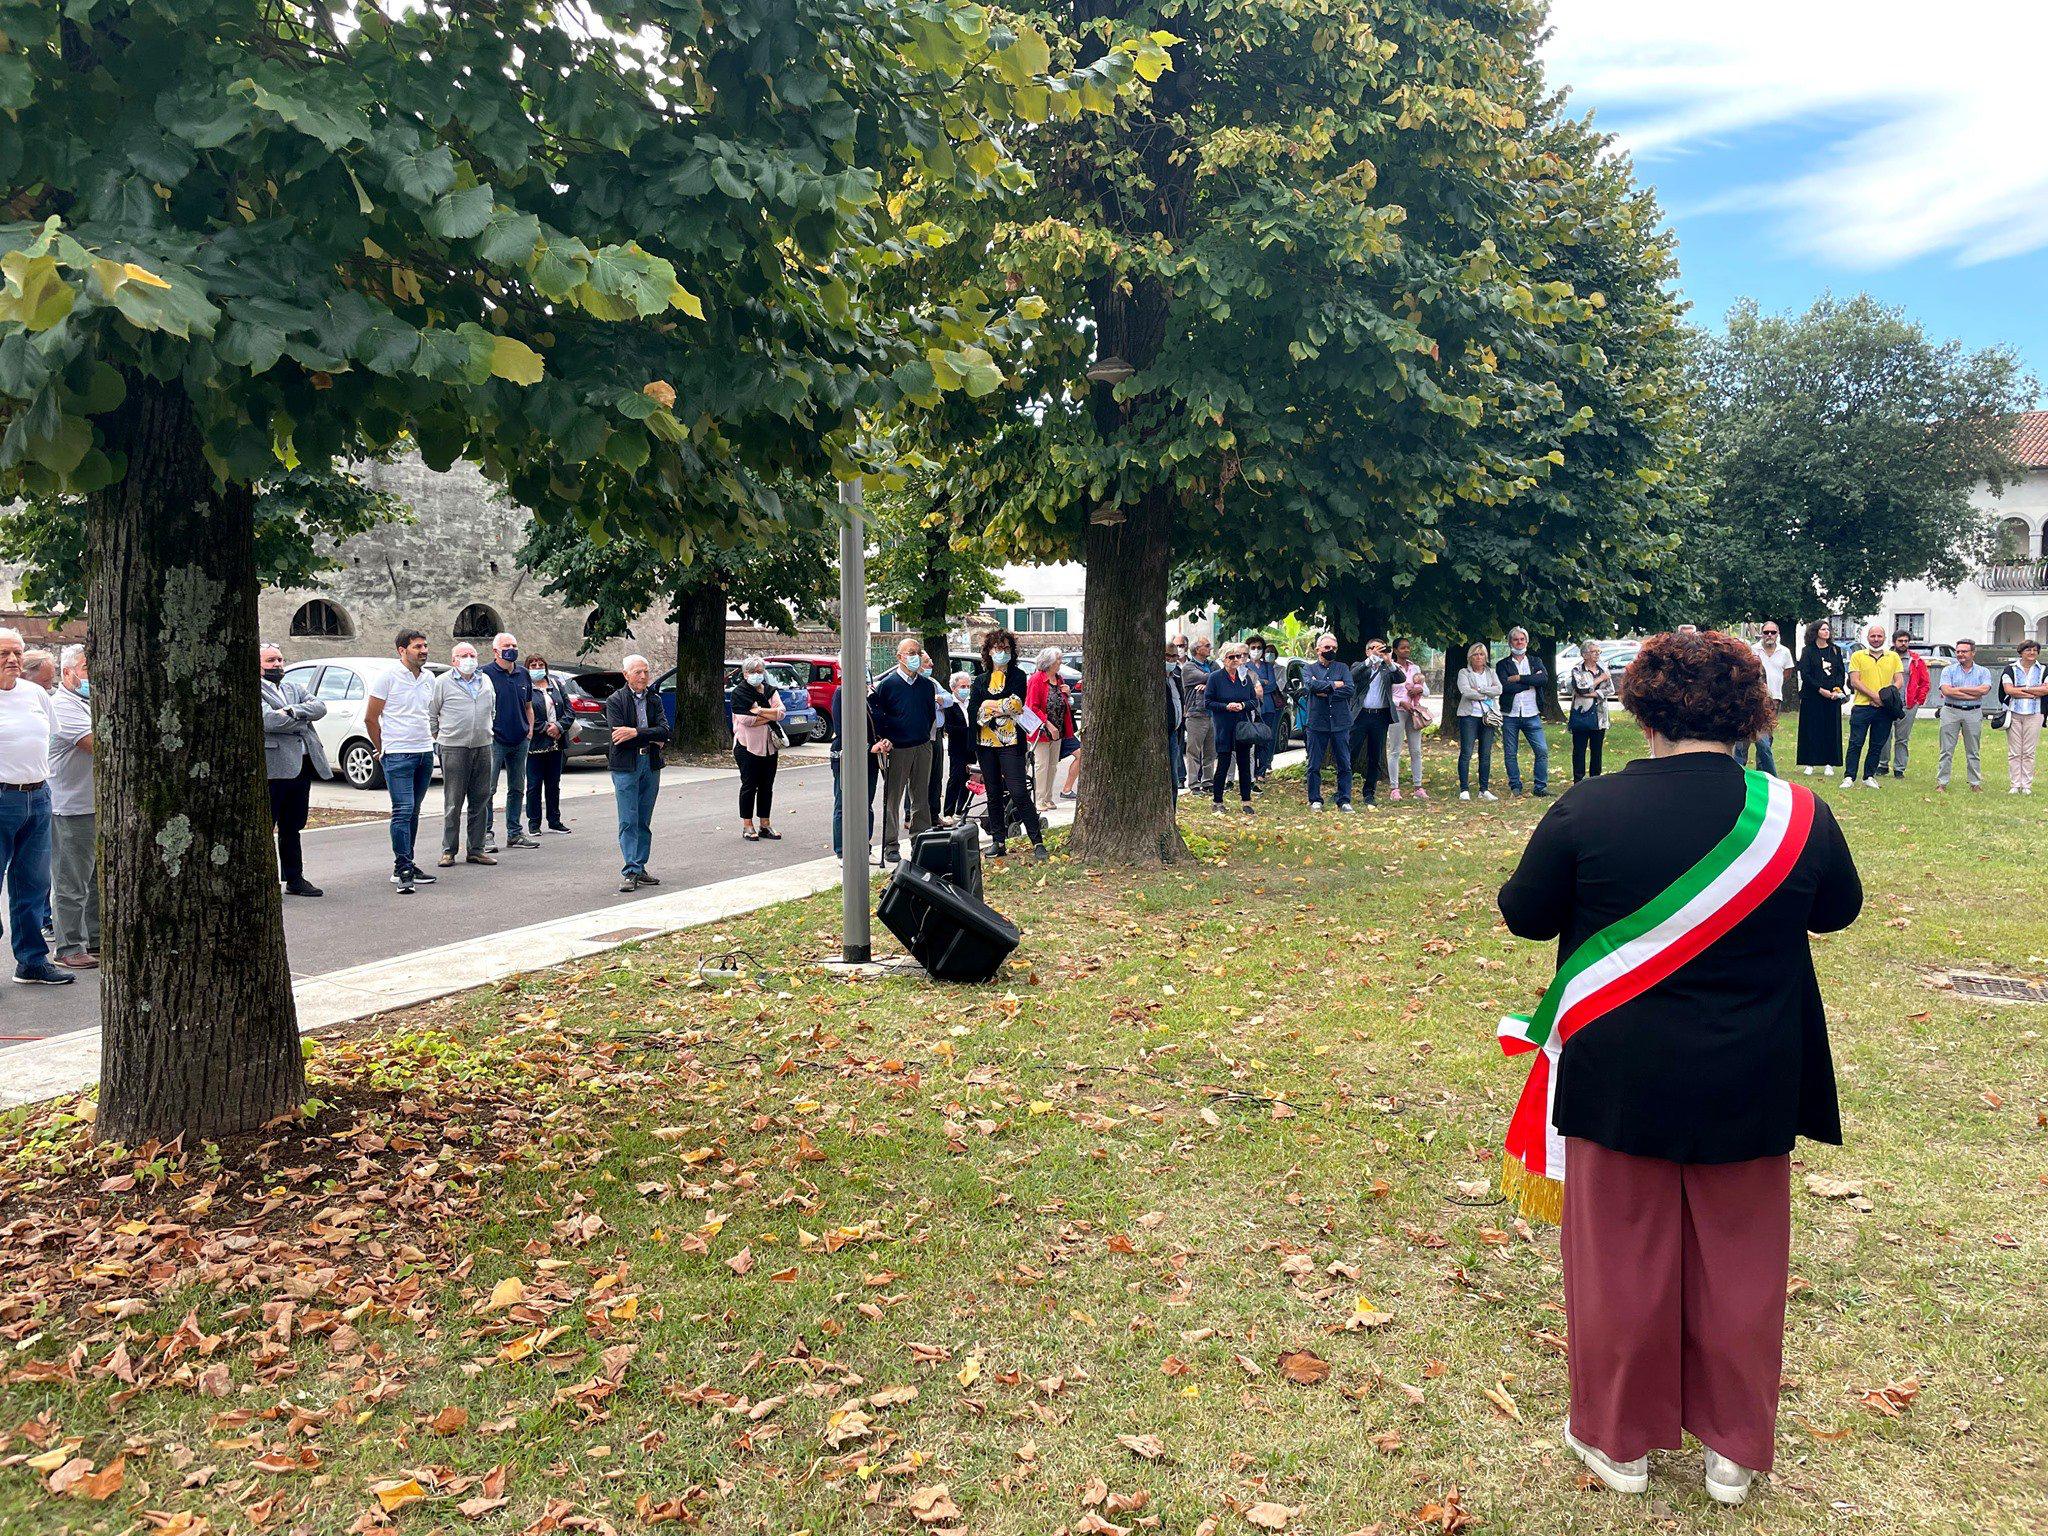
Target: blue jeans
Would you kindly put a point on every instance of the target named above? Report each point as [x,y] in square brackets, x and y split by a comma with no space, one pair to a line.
[838,799]
[1531,726]
[1177,755]
[509,759]
[408,776]
[25,861]
[635,792]
[1871,722]
[1474,731]
[1766,755]
[1336,744]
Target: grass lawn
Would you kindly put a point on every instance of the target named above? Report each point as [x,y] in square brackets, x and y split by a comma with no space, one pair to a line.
[1187,1226]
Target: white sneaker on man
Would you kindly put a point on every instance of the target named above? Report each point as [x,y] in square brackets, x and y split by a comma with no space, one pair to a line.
[1315,805]
[1726,1482]
[1487,794]
[1870,783]
[1464,794]
[1846,783]
[1621,1476]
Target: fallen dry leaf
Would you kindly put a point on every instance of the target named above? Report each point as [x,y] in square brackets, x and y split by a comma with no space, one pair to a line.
[1303,1366]
[1268,1516]
[932,1505]
[396,1495]
[1146,1446]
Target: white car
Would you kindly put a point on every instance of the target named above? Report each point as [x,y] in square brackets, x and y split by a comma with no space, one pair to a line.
[342,683]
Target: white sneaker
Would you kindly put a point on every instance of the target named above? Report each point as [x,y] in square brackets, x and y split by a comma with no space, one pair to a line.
[1315,805]
[1726,1482]
[1464,794]
[1621,1476]
[1870,783]
[1809,773]
[1487,794]
[1345,807]
[1846,782]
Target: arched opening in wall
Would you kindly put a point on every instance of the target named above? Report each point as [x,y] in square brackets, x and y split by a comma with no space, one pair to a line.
[2013,537]
[320,620]
[2008,628]
[477,621]
[2041,629]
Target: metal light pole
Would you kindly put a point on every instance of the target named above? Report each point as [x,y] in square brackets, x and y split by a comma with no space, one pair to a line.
[853,726]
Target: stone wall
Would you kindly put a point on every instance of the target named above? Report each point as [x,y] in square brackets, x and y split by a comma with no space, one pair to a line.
[461,550]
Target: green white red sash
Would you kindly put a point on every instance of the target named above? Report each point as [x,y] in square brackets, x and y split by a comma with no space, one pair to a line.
[1628,957]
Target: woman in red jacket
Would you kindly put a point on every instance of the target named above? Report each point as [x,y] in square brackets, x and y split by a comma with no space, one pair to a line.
[1048,696]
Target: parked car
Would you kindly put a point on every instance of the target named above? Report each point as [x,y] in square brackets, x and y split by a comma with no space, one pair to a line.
[800,722]
[588,688]
[820,678]
[342,683]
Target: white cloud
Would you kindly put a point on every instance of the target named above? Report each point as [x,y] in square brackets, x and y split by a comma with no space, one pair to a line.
[1928,124]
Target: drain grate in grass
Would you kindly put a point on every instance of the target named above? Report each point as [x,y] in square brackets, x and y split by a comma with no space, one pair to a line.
[1999,989]
[620,935]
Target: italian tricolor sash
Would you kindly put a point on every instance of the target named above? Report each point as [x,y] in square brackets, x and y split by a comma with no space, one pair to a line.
[1628,957]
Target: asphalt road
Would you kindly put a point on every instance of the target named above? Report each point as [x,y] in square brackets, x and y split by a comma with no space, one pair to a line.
[361,918]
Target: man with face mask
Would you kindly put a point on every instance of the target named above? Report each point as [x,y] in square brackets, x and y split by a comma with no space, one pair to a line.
[511,740]
[905,712]
[1331,694]
[464,712]
[1521,675]
[292,759]
[1373,679]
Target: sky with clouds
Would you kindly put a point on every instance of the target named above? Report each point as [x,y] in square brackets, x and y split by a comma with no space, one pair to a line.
[1801,146]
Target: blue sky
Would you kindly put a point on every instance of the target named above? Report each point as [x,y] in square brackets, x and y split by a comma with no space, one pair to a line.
[1802,146]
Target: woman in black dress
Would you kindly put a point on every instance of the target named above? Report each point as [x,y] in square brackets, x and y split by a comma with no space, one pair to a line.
[1823,684]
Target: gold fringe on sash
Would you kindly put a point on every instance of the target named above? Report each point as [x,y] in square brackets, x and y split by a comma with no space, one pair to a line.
[1536,1197]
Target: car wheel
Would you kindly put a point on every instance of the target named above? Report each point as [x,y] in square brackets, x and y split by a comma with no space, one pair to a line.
[360,767]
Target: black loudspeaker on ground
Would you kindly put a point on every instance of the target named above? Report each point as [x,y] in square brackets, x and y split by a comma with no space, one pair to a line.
[933,905]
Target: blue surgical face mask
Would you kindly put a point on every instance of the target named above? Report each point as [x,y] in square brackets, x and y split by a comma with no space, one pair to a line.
[999,658]
[757,678]
[84,689]
[963,693]
[538,674]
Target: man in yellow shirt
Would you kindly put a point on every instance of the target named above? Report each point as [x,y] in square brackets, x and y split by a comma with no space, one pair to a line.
[1871,670]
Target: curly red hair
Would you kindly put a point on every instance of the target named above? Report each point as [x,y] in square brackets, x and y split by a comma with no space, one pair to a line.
[1700,687]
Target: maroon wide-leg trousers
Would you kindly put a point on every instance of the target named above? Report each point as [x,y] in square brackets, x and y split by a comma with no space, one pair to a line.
[1674,1294]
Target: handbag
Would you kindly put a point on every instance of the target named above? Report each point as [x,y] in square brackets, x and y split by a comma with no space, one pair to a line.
[1585,717]
[1254,730]
[1489,713]
[777,736]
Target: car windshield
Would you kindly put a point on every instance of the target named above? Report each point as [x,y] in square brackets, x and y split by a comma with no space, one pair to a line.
[783,676]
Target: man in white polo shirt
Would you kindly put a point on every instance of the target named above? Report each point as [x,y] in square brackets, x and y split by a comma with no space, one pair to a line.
[26,723]
[399,718]
[1776,660]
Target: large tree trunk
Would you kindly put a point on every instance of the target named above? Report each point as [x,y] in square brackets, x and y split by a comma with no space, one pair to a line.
[1127,794]
[1546,693]
[700,669]
[935,588]
[200,1035]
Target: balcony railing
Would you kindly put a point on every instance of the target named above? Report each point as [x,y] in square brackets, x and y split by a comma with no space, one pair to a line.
[2016,576]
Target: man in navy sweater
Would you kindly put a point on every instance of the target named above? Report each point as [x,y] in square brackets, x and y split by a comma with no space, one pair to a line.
[905,709]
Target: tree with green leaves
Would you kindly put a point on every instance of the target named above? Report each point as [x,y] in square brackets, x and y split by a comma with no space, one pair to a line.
[1293,272]
[1843,447]
[623,267]
[791,578]
[301,516]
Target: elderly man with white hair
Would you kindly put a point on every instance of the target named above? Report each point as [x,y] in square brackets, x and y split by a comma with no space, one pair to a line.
[464,712]
[74,893]
[1332,692]
[1521,679]
[639,729]
[27,722]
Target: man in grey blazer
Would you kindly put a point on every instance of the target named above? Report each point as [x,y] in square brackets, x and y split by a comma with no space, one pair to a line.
[292,759]
[462,712]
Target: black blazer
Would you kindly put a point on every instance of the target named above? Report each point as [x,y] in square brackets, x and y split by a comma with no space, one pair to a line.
[618,710]
[1727,1058]
[1512,683]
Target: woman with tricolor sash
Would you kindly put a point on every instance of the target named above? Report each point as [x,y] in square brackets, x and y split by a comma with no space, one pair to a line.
[1676,1056]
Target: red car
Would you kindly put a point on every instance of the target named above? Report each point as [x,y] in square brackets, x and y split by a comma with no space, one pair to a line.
[821,678]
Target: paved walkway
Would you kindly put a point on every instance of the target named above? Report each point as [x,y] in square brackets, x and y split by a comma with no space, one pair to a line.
[710,875]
